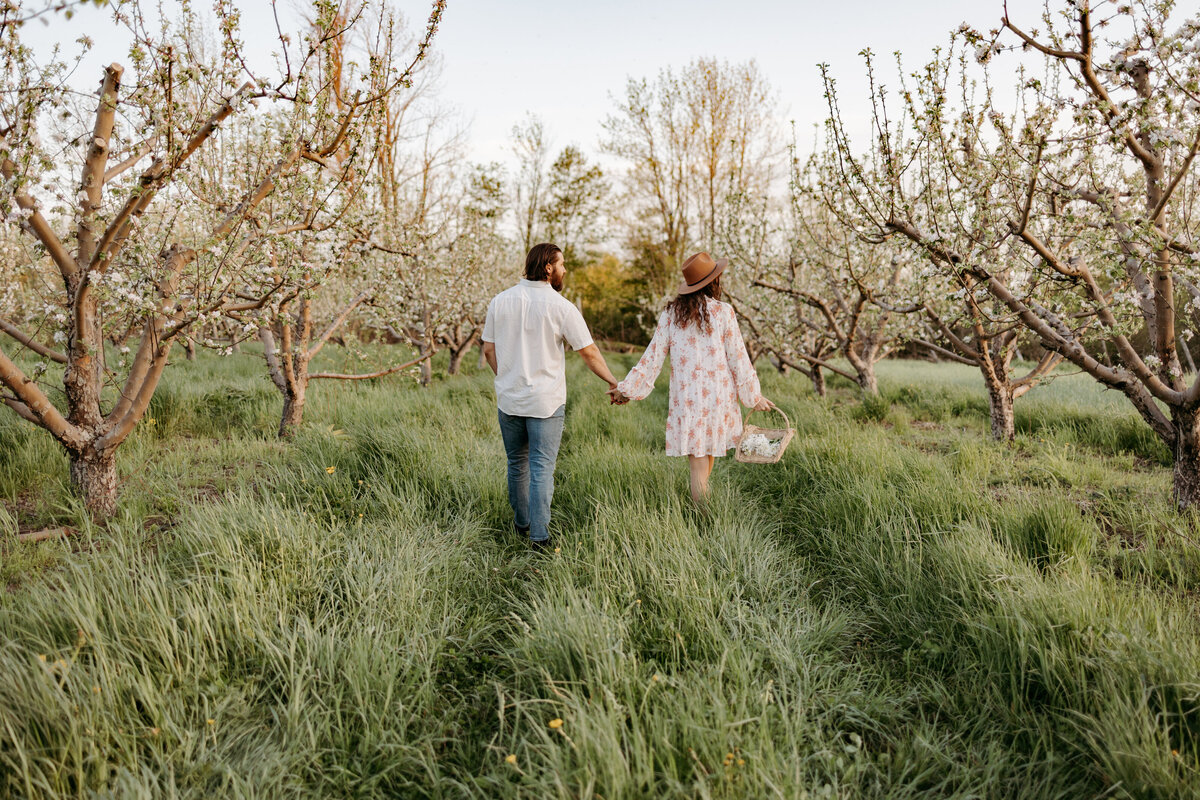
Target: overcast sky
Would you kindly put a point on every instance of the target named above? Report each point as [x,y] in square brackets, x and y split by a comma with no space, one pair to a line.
[564,60]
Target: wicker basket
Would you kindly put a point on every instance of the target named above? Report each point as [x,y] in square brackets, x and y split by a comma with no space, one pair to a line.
[782,435]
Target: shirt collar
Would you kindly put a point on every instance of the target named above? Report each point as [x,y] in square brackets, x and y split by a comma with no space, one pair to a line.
[536,284]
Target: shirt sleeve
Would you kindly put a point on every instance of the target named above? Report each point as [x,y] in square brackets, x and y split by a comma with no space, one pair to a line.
[575,330]
[748,389]
[640,380]
[489,324]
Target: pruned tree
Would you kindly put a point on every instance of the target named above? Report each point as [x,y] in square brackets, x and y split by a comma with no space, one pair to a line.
[929,179]
[119,234]
[858,288]
[1100,191]
[325,282]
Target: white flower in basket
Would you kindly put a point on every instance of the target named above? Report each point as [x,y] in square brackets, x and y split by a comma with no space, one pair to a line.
[764,445]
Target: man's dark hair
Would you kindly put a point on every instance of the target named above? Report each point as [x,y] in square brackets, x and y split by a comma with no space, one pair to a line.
[537,263]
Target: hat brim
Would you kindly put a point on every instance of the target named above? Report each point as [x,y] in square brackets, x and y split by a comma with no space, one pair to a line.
[689,288]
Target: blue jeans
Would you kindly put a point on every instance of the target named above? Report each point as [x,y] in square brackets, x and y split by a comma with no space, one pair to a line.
[531,444]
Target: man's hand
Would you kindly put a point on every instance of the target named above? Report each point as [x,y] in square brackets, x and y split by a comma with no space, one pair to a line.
[616,397]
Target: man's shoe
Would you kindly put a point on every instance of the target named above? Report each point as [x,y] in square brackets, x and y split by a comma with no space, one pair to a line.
[541,545]
[520,530]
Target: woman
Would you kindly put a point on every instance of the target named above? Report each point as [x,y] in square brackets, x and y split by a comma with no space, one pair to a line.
[710,371]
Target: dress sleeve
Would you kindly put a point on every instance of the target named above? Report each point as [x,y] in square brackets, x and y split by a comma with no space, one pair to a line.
[640,380]
[748,389]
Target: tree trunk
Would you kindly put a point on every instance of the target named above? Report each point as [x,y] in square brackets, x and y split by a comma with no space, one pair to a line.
[1000,408]
[456,357]
[866,378]
[189,347]
[1186,472]
[818,381]
[293,412]
[861,356]
[427,365]
[94,476]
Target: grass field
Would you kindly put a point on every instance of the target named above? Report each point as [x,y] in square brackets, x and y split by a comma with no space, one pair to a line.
[900,608]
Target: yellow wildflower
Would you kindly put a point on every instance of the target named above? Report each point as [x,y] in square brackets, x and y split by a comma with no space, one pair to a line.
[331,470]
[555,723]
[511,758]
[95,690]
[212,722]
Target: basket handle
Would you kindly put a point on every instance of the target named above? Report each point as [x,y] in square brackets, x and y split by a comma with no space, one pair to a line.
[786,421]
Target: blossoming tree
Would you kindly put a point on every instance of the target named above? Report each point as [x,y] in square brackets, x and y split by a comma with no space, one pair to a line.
[123,235]
[930,178]
[1090,181]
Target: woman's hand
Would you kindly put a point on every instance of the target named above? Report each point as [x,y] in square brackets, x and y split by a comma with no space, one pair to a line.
[764,404]
[617,397]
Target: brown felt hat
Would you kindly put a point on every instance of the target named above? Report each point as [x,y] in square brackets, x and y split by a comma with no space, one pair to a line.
[699,271]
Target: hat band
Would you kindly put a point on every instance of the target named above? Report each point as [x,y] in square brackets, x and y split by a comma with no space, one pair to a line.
[716,265]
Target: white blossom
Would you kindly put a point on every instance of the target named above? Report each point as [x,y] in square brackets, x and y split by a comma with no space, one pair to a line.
[759,445]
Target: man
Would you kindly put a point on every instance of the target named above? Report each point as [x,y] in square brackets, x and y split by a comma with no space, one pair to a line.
[523,343]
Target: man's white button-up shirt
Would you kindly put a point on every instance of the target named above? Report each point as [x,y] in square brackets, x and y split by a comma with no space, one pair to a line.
[529,325]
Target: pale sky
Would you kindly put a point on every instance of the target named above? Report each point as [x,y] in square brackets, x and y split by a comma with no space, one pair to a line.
[564,60]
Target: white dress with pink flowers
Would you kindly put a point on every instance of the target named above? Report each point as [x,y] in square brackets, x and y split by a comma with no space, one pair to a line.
[710,372]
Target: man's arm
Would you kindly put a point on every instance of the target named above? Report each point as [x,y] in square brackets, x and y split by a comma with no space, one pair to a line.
[594,359]
[489,355]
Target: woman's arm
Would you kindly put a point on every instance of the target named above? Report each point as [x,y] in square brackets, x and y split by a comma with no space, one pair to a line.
[640,380]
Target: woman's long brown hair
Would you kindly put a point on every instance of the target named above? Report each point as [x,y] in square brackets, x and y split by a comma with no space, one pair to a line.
[687,309]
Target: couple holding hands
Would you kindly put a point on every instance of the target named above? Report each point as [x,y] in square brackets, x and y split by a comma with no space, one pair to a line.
[524,335]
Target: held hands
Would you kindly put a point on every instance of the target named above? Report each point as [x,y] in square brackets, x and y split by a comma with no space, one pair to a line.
[616,397]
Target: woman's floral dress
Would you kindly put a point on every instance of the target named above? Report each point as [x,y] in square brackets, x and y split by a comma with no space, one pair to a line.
[710,372]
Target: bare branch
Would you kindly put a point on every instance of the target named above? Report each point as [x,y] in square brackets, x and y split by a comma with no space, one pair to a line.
[91,184]
[950,354]
[380,374]
[30,342]
[333,326]
[39,406]
[119,169]
[41,228]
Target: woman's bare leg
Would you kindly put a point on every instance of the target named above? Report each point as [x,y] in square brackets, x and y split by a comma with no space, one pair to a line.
[701,467]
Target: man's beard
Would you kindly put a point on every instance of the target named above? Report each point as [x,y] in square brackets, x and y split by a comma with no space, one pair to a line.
[557,282]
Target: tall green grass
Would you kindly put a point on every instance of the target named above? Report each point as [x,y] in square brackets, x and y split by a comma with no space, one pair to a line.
[898,609]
